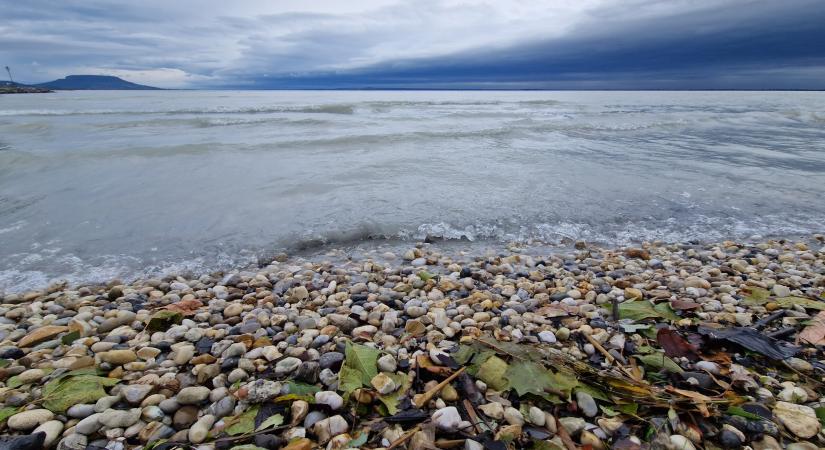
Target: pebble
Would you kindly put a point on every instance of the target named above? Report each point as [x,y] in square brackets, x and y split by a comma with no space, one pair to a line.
[192,395]
[800,420]
[547,337]
[587,404]
[329,398]
[286,366]
[27,420]
[447,418]
[680,442]
[52,429]
[115,418]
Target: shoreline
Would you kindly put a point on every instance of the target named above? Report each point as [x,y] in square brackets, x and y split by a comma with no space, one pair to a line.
[353,352]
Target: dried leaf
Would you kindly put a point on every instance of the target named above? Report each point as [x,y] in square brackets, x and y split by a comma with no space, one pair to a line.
[752,340]
[674,344]
[807,303]
[684,305]
[186,307]
[424,362]
[814,333]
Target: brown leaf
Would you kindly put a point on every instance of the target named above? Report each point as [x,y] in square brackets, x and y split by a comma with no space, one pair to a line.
[684,305]
[674,344]
[186,307]
[814,333]
[637,253]
[424,362]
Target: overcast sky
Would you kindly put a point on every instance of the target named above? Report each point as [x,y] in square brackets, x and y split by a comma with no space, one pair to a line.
[561,44]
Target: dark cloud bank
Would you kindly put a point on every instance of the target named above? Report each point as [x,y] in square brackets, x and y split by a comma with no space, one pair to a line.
[761,45]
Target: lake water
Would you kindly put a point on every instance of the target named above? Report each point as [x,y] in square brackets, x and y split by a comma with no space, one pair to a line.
[95,185]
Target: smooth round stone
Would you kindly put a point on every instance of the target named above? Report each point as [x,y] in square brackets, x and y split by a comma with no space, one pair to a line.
[113,418]
[329,398]
[80,411]
[313,417]
[31,376]
[447,419]
[547,337]
[89,425]
[32,441]
[27,420]
[587,404]
[287,366]
[185,417]
[223,407]
[192,395]
[52,429]
[331,360]
[135,393]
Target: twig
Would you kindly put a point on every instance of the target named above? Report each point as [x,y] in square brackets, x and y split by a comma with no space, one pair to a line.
[422,399]
[472,413]
[449,443]
[564,435]
[404,437]
[761,323]
[610,358]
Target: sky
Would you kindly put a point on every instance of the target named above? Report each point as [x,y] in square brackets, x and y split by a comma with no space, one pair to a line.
[426,44]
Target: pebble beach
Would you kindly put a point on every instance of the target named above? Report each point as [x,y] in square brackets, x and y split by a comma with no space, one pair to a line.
[672,346]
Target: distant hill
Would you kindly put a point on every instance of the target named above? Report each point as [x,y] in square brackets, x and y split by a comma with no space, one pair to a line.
[9,87]
[93,82]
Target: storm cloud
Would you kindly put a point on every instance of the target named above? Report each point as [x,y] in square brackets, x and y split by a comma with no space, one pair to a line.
[442,44]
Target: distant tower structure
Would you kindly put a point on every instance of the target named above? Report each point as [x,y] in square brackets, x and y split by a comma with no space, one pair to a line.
[9,72]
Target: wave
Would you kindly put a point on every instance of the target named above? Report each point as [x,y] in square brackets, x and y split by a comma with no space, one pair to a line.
[336,108]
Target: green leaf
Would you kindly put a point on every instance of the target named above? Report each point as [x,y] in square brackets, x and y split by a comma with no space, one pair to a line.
[271,422]
[544,445]
[659,361]
[70,337]
[820,414]
[424,275]
[348,380]
[629,408]
[392,399]
[527,377]
[643,309]
[7,412]
[14,382]
[4,363]
[595,393]
[163,320]
[492,372]
[788,302]
[363,360]
[289,398]
[737,411]
[609,412]
[464,354]
[294,387]
[156,443]
[359,441]
[77,386]
[756,295]
[242,423]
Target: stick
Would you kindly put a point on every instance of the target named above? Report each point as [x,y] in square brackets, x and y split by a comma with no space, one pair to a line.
[564,435]
[404,437]
[472,413]
[449,443]
[422,399]
[607,355]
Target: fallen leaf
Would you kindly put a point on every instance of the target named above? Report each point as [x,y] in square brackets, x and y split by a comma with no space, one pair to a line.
[807,303]
[674,344]
[659,361]
[242,423]
[362,360]
[492,372]
[752,340]
[186,307]
[392,399]
[528,377]
[7,412]
[294,387]
[271,422]
[643,309]
[163,320]
[424,362]
[814,334]
[684,305]
[75,387]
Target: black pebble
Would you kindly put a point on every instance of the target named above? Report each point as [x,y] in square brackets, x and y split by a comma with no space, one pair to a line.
[28,442]
[729,440]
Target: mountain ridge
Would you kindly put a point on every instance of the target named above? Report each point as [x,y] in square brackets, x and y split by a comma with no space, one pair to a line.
[94,82]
